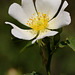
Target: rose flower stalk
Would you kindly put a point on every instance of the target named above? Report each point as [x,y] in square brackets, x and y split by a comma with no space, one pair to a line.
[41,22]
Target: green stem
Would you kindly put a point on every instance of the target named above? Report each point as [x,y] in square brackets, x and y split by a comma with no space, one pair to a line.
[49,48]
[46,51]
[45,60]
[49,61]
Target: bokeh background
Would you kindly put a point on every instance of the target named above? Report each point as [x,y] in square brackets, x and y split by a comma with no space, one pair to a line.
[63,60]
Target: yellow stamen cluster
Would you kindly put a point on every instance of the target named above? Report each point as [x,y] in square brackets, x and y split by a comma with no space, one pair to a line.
[38,23]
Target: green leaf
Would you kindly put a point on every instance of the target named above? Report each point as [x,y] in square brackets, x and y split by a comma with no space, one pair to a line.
[60,30]
[71,42]
[62,44]
[29,44]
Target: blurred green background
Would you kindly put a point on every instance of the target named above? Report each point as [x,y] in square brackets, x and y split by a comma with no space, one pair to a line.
[63,61]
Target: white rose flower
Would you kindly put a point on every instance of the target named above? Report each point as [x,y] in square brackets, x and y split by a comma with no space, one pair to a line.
[41,21]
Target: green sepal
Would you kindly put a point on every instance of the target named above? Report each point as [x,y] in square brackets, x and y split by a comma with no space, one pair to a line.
[60,30]
[56,39]
[40,42]
[27,45]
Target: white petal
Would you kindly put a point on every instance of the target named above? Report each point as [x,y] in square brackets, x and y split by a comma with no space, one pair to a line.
[44,34]
[28,7]
[16,11]
[62,19]
[48,6]
[21,33]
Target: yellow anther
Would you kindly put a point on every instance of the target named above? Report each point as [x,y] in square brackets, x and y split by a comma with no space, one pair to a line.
[27,21]
[34,14]
[38,18]
[38,13]
[38,23]
[32,17]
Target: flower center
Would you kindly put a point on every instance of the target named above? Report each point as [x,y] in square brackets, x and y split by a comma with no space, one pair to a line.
[38,23]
